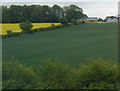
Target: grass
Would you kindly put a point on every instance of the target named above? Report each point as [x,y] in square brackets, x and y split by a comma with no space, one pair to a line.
[73,44]
[15,27]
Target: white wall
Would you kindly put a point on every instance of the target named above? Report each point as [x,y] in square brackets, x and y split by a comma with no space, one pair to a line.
[112,20]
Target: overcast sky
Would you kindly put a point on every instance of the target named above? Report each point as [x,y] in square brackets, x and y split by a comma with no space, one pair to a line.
[95,8]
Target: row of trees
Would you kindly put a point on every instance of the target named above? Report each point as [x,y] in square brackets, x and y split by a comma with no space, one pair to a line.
[40,14]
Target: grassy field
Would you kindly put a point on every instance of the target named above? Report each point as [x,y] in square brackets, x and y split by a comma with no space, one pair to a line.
[73,44]
[15,27]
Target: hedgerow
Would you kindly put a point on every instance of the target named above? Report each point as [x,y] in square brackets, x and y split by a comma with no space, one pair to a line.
[14,34]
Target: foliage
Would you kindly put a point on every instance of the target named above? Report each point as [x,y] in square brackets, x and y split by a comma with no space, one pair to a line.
[98,74]
[59,12]
[37,13]
[81,22]
[53,26]
[9,31]
[74,22]
[15,27]
[26,26]
[55,73]
[100,20]
[63,20]
[104,20]
[17,76]
[74,12]
[49,74]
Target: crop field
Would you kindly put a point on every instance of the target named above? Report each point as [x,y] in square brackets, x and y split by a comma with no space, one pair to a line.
[73,44]
[15,27]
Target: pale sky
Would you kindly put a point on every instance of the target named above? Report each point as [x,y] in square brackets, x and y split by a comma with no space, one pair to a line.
[93,8]
[59,0]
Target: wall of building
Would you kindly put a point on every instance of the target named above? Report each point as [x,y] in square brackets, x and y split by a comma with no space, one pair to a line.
[112,20]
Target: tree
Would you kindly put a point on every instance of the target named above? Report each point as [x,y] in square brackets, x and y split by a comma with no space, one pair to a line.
[5,16]
[36,14]
[63,20]
[74,22]
[26,26]
[75,7]
[14,13]
[26,12]
[40,13]
[73,12]
[58,11]
[100,19]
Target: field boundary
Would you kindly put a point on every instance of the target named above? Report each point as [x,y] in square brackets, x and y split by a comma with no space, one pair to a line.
[14,34]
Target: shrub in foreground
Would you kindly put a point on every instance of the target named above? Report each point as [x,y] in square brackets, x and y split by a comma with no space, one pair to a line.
[55,74]
[97,74]
[49,74]
[17,76]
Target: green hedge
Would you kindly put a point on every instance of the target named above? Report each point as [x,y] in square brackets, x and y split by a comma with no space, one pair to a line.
[49,74]
[34,30]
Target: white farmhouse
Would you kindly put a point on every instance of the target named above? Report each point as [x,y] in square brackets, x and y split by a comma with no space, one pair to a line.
[92,19]
[111,19]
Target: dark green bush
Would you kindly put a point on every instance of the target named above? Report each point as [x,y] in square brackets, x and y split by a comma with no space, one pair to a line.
[10,34]
[4,36]
[55,74]
[52,25]
[9,31]
[63,21]
[97,74]
[74,22]
[49,28]
[26,26]
[33,30]
[17,76]
[81,22]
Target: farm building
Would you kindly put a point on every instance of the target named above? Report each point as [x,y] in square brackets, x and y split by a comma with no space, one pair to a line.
[82,19]
[89,19]
[92,19]
[111,19]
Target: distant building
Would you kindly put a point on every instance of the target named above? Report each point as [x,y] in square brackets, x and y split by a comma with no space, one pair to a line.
[92,19]
[89,19]
[111,19]
[82,19]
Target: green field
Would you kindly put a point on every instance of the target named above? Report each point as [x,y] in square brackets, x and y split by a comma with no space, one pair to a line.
[73,44]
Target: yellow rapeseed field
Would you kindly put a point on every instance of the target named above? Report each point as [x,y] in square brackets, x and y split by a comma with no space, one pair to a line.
[15,26]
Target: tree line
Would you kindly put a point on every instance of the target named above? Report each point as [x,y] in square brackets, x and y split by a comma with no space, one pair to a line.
[40,13]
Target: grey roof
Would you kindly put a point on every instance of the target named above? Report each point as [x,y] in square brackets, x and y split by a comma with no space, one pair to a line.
[92,18]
